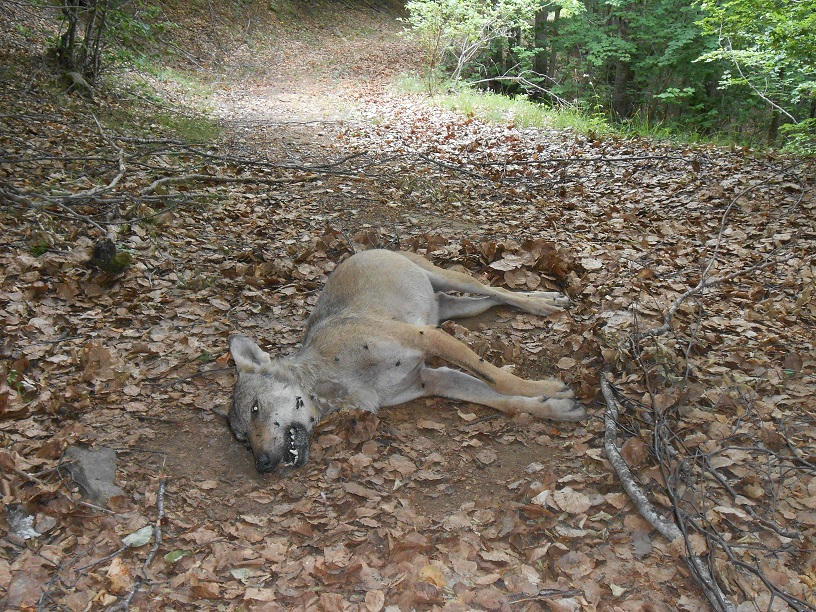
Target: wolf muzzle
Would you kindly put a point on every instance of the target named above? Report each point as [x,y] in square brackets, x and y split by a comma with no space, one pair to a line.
[294,454]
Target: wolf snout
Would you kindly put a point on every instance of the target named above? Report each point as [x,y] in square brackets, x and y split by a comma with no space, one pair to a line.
[265,463]
[291,452]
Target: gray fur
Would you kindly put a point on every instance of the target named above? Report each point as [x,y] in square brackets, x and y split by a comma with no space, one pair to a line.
[366,345]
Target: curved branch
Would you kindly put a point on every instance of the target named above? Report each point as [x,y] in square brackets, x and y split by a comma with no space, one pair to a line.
[667,528]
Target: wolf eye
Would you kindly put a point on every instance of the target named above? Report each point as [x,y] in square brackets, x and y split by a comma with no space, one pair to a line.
[255,409]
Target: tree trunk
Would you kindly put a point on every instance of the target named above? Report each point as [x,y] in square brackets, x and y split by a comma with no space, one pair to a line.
[540,29]
[620,94]
[556,16]
[773,126]
[620,88]
[66,47]
[80,50]
[776,117]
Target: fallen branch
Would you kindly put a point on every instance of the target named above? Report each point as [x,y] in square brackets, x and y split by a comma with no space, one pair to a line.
[705,281]
[157,540]
[667,528]
[521,79]
[546,594]
[704,284]
[248,180]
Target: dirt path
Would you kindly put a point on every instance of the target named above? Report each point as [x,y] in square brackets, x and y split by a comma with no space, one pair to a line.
[429,505]
[299,94]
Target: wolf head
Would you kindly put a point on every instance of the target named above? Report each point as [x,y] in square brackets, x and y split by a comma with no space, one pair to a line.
[271,413]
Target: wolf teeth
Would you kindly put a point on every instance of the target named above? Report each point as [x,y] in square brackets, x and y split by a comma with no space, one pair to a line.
[292,450]
[294,457]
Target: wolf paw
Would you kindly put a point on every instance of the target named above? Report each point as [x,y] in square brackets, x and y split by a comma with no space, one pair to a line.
[552,387]
[548,407]
[541,302]
[551,298]
[563,409]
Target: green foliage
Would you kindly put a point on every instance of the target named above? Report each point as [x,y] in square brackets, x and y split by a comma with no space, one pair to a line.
[459,30]
[13,381]
[770,46]
[519,110]
[39,248]
[96,32]
[800,137]
[132,29]
[693,67]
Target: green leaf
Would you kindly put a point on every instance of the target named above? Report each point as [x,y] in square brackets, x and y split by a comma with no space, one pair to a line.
[175,555]
[139,538]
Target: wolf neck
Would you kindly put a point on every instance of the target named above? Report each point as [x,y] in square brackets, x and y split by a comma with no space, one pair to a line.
[325,384]
[307,373]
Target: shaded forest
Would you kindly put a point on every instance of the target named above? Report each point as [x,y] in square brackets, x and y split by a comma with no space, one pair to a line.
[739,68]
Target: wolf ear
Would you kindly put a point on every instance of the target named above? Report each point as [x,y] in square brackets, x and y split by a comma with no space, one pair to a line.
[248,356]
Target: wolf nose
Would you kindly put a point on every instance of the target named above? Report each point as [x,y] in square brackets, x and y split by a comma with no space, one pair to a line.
[264,463]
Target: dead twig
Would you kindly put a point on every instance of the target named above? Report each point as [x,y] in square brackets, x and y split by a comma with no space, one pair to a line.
[207,178]
[142,579]
[546,594]
[667,528]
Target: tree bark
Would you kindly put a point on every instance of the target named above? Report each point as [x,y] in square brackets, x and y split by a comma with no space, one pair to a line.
[621,103]
[556,16]
[540,61]
[776,117]
[620,94]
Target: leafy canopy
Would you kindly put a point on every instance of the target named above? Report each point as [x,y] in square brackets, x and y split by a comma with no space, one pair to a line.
[770,46]
[463,28]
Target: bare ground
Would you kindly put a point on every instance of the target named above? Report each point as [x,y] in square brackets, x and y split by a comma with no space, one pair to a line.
[429,505]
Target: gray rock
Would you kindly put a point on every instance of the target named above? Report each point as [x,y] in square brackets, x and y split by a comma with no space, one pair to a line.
[94,471]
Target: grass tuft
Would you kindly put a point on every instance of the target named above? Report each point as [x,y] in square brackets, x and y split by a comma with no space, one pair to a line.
[518,110]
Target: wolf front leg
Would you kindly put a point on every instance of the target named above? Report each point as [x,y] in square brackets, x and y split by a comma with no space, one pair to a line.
[457,385]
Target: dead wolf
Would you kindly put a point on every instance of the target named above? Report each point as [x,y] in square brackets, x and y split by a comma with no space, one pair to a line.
[366,345]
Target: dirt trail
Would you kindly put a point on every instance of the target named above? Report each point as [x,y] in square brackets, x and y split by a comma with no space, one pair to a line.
[293,114]
[427,506]
[414,486]
[298,94]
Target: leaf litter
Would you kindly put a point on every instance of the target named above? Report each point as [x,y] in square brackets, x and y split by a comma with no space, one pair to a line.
[427,505]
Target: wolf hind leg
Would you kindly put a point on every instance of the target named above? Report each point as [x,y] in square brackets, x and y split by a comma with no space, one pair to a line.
[461,307]
[540,303]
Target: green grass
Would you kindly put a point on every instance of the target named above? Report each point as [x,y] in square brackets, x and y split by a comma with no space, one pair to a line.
[144,107]
[189,127]
[189,84]
[520,111]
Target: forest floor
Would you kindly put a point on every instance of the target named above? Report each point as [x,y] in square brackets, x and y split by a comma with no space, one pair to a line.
[304,153]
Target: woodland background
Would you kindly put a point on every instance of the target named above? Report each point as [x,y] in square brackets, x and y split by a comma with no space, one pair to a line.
[743,69]
[172,173]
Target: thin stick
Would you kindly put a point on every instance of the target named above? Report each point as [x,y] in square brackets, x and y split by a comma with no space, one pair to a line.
[667,528]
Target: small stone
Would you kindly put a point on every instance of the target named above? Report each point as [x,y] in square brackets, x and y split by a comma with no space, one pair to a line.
[94,471]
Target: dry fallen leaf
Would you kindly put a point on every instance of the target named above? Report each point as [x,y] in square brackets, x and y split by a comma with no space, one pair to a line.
[434,575]
[634,451]
[571,501]
[374,600]
[138,361]
[486,456]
